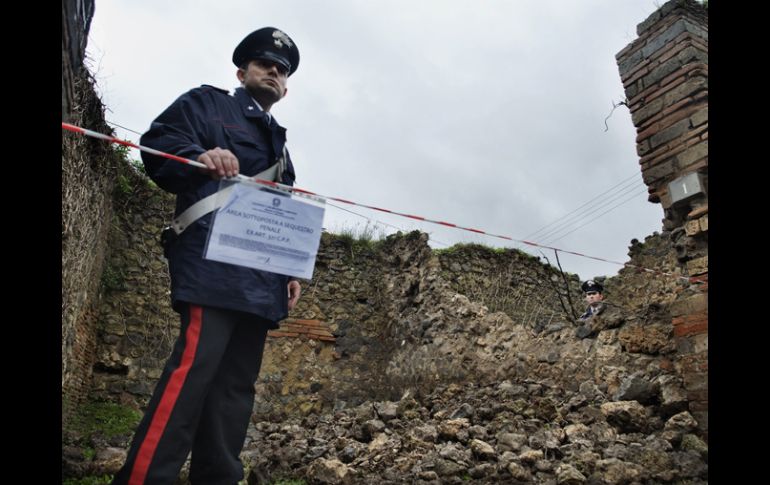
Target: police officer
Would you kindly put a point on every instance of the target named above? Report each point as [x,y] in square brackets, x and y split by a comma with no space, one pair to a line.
[203,400]
[594,297]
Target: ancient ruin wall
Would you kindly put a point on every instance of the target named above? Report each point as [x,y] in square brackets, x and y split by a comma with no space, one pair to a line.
[665,75]
[336,346]
[88,178]
[396,322]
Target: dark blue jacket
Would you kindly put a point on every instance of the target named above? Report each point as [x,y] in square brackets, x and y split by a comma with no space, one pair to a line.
[591,311]
[199,120]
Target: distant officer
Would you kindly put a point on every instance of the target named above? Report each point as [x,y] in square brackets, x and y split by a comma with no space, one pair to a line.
[593,292]
[204,398]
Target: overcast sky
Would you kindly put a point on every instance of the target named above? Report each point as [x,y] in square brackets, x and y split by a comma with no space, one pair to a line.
[488,114]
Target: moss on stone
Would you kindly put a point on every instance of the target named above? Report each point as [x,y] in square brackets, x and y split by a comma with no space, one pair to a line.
[103,418]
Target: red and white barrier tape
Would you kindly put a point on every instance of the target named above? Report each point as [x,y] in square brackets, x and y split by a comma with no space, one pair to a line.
[298,190]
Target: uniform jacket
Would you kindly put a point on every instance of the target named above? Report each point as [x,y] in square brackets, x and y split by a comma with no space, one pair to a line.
[591,311]
[199,120]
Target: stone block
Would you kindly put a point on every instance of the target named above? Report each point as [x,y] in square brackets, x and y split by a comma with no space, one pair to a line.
[646,112]
[693,154]
[701,345]
[696,381]
[695,304]
[630,62]
[674,131]
[698,265]
[663,39]
[661,71]
[692,228]
[700,117]
[648,23]
[659,171]
[633,89]
[642,148]
[704,223]
[688,88]
[692,54]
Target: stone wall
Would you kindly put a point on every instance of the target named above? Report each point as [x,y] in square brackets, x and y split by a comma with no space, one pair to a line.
[136,325]
[388,317]
[89,172]
[364,302]
[512,282]
[403,340]
[665,75]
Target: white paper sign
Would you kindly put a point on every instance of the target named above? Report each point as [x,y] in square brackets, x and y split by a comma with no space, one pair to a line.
[267,230]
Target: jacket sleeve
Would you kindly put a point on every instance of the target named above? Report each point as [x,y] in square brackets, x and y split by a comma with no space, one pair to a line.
[180,130]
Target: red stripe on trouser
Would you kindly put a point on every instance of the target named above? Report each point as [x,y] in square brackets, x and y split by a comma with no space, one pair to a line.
[166,405]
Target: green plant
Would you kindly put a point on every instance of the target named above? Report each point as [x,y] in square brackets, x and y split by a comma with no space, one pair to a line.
[461,247]
[138,166]
[89,453]
[122,150]
[105,418]
[355,237]
[112,278]
[123,186]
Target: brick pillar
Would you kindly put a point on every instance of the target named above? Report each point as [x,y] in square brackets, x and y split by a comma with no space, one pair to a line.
[665,76]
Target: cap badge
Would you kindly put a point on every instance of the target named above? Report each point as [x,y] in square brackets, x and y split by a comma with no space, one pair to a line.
[281,38]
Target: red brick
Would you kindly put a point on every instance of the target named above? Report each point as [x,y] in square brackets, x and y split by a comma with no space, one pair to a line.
[275,333]
[684,71]
[654,91]
[704,278]
[669,116]
[692,328]
[696,97]
[664,121]
[688,319]
[638,73]
[673,147]
[681,43]
[635,69]
[306,322]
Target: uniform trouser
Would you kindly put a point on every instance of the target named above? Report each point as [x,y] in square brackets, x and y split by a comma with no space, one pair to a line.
[202,403]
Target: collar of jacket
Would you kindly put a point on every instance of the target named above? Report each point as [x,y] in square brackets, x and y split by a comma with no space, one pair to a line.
[252,111]
[249,107]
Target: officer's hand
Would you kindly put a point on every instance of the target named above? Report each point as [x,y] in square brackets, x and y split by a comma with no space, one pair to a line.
[220,163]
[294,291]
